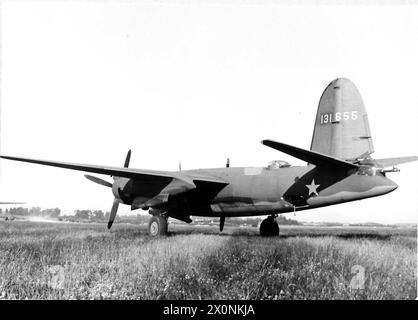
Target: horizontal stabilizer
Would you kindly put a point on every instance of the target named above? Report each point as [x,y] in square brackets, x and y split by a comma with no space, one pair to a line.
[312,157]
[389,162]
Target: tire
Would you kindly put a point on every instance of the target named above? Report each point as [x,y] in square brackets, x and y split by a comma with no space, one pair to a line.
[275,230]
[269,228]
[157,226]
[264,228]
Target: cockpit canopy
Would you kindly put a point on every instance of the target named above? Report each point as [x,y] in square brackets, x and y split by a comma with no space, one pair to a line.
[367,171]
[276,164]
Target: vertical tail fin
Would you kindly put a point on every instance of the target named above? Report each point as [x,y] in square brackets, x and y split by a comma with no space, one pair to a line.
[341,126]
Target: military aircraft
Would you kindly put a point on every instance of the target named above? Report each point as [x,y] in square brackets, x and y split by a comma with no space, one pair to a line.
[339,169]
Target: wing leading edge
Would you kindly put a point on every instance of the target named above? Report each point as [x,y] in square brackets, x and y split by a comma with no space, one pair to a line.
[137,174]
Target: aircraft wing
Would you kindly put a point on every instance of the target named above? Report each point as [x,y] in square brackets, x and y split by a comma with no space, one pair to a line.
[145,176]
[12,203]
[313,157]
[388,162]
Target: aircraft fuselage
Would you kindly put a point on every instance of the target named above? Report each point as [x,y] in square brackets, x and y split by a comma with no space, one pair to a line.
[260,191]
[253,191]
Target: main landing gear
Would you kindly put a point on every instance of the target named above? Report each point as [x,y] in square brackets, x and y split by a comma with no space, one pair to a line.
[157,226]
[269,227]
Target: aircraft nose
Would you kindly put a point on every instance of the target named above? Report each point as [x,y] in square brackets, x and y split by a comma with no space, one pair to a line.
[390,185]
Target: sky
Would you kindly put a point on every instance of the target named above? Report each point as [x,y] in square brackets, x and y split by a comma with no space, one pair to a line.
[197,82]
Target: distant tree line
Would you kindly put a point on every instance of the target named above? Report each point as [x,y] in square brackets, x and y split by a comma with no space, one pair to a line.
[96,215]
[100,216]
[282,220]
[34,211]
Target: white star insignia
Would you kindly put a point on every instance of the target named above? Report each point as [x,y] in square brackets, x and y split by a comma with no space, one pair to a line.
[312,187]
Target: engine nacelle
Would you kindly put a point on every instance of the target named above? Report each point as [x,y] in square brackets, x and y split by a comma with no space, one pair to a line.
[122,189]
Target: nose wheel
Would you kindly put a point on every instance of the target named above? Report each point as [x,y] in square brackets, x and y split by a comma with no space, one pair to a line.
[157,226]
[269,227]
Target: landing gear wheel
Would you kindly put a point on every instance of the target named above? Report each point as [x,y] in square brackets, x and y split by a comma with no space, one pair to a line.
[157,226]
[269,228]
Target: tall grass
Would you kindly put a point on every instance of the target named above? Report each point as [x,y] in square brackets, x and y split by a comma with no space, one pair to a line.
[127,264]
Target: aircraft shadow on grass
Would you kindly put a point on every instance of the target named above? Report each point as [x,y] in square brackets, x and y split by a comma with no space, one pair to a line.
[253,234]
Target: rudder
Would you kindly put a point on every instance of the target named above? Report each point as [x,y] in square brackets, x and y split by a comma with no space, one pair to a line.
[341,125]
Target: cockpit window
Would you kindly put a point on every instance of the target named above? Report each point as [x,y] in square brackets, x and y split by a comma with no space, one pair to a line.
[276,164]
[367,171]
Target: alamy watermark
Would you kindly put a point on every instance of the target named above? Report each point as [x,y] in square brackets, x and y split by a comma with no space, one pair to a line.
[55,277]
[357,281]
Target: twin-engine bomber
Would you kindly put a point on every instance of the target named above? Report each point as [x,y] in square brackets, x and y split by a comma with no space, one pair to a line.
[339,169]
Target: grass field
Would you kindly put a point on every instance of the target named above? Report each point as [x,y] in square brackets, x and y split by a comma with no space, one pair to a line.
[86,261]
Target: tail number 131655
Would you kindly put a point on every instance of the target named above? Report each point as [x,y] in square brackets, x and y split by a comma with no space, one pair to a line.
[338,116]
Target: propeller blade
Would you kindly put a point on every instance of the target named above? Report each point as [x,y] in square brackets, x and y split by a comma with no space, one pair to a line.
[113,213]
[98,180]
[128,158]
[221,223]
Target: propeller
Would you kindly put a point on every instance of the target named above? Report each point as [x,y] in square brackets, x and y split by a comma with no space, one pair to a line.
[113,211]
[221,223]
[227,162]
[102,182]
[115,205]
[98,180]
[128,158]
